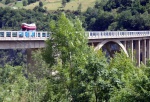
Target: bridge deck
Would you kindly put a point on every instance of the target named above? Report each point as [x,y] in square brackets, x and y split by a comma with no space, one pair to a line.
[43,35]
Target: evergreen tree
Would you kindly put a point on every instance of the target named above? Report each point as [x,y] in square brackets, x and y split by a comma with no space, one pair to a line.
[64,3]
[79,8]
[24,3]
[7,2]
[40,4]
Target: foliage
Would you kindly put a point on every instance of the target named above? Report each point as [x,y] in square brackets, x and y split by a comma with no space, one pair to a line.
[31,1]
[24,3]
[79,8]
[87,78]
[132,82]
[18,83]
[64,3]
[68,44]
[68,0]
[65,41]
[136,90]
[118,15]
[13,84]
[12,57]
[39,68]
[7,2]
[41,4]
[20,16]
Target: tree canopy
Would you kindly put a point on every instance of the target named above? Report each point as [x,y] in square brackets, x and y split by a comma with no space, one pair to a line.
[69,70]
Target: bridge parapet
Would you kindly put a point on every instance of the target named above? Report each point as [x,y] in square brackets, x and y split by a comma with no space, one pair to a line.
[24,35]
[116,34]
[43,35]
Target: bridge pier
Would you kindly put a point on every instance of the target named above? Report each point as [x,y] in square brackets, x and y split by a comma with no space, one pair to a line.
[148,49]
[144,51]
[128,46]
[30,61]
[29,56]
[140,46]
[125,44]
[131,46]
[138,52]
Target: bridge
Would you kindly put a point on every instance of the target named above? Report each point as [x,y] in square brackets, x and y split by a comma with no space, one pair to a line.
[135,42]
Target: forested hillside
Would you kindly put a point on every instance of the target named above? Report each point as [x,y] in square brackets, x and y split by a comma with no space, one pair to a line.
[105,15]
[119,15]
[12,19]
[67,69]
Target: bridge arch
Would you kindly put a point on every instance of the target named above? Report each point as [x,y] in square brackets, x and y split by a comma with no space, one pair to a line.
[101,44]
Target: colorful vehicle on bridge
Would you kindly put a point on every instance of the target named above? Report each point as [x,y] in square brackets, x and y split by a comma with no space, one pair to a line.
[27,30]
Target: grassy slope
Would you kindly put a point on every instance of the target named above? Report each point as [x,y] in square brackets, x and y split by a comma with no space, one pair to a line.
[85,4]
[2,5]
[53,5]
[19,4]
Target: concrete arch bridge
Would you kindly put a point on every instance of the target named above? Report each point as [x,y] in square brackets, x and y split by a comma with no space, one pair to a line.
[136,41]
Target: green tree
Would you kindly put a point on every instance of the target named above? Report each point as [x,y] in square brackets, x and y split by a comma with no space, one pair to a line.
[97,77]
[125,19]
[20,84]
[137,89]
[24,3]
[39,68]
[7,2]
[64,3]
[79,8]
[41,4]
[103,21]
[68,0]
[63,52]
[130,83]
[13,84]
[83,73]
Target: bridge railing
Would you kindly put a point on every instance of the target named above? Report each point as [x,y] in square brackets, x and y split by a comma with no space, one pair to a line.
[116,34]
[24,35]
[43,35]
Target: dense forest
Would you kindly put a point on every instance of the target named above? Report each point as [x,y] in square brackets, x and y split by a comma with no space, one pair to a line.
[67,69]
